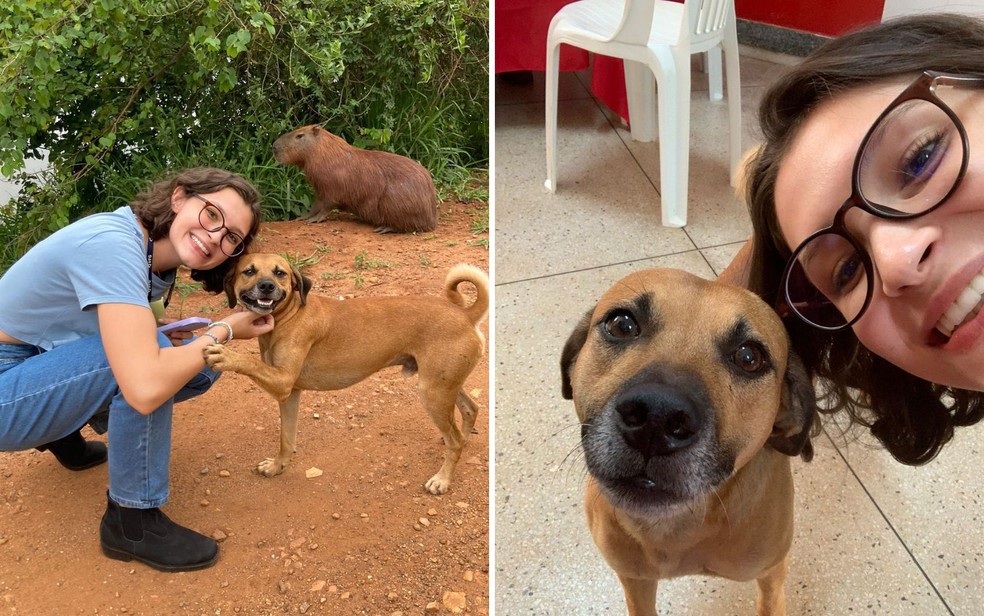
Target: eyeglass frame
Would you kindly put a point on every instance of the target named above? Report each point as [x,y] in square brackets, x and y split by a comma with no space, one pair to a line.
[922,88]
[242,240]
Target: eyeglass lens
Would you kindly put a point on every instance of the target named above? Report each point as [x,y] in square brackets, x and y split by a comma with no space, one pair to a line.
[212,220]
[909,163]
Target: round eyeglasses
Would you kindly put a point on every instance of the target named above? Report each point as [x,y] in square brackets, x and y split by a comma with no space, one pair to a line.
[909,163]
[211,219]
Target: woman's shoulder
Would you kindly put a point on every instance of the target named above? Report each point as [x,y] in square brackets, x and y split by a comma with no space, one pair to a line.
[121,219]
[120,225]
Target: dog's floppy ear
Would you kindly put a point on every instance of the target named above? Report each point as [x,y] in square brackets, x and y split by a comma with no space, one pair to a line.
[229,284]
[569,355]
[302,284]
[797,411]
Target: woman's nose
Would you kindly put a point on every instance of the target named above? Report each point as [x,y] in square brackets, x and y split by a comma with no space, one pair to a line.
[902,253]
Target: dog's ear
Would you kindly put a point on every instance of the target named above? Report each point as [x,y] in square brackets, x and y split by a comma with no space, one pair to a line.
[229,284]
[569,355]
[797,411]
[302,284]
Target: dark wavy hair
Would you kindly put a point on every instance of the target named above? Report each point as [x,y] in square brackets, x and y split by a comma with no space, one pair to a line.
[153,209]
[913,418]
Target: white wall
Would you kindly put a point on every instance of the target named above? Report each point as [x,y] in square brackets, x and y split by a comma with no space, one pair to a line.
[894,8]
[9,190]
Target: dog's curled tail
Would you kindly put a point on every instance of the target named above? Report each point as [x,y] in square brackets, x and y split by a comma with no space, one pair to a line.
[463,272]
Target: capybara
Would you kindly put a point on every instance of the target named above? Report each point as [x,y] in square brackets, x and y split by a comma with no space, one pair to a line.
[390,191]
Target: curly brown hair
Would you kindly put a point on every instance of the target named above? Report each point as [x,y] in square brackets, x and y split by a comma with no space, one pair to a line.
[913,418]
[153,209]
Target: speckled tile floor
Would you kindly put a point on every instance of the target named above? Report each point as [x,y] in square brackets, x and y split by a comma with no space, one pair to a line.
[872,536]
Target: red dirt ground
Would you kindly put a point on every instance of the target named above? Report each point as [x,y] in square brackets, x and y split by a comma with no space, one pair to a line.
[362,538]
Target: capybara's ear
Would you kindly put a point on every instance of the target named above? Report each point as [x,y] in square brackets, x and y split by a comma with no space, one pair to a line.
[229,284]
[302,284]
[569,355]
[797,411]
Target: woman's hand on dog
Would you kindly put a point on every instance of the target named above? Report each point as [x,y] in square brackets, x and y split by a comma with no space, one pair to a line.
[247,324]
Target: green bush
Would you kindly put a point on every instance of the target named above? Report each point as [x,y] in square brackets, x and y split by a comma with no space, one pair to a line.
[117,94]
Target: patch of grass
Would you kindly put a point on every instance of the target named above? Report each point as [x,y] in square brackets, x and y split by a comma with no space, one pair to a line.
[184,288]
[363,262]
[480,224]
[301,263]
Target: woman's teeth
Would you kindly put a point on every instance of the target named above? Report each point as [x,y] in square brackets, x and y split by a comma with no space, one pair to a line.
[201,246]
[967,305]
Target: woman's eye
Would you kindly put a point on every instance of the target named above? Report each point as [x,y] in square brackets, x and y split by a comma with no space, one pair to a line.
[921,161]
[749,357]
[847,274]
[621,324]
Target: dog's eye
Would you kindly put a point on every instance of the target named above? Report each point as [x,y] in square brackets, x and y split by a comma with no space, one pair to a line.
[249,271]
[279,273]
[749,357]
[621,324]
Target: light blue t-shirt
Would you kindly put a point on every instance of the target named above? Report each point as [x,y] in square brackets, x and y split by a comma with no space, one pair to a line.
[48,297]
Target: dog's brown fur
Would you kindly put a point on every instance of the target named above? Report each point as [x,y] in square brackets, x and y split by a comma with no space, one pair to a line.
[390,191]
[691,404]
[325,344]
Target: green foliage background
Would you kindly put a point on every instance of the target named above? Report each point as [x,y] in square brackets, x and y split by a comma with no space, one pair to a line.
[118,93]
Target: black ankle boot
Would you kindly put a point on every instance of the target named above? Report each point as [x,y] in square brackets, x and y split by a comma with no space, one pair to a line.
[150,537]
[75,453]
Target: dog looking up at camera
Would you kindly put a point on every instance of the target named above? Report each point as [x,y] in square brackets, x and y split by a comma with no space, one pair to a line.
[691,405]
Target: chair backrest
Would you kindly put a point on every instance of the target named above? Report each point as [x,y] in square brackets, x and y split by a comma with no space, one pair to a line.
[707,21]
[637,21]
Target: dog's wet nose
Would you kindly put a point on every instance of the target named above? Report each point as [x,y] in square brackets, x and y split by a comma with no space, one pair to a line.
[266,287]
[657,420]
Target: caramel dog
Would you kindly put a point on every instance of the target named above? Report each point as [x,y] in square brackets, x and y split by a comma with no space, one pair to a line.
[324,344]
[690,405]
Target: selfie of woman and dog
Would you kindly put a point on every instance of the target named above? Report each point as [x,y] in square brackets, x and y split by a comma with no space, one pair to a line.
[775,408]
[561,308]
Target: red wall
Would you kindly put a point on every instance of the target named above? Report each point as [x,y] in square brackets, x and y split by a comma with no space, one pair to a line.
[825,17]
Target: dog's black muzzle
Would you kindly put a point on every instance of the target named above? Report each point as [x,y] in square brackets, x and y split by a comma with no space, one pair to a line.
[654,442]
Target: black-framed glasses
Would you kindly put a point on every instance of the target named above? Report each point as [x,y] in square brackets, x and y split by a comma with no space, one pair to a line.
[211,219]
[909,163]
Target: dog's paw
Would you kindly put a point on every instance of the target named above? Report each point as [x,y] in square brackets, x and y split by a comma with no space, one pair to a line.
[218,357]
[437,484]
[270,467]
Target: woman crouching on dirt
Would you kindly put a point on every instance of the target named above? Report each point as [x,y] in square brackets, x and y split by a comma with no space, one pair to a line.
[78,340]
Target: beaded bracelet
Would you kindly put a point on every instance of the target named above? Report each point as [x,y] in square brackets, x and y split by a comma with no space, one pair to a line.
[225,325]
[212,336]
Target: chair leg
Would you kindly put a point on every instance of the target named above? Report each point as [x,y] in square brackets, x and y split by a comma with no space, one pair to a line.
[674,141]
[734,107]
[640,93]
[553,66]
[714,82]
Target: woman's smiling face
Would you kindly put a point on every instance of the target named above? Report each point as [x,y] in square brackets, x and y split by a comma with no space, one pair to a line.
[196,247]
[925,267]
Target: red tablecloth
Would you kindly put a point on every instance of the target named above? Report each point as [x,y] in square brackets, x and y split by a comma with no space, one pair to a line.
[521,45]
[521,37]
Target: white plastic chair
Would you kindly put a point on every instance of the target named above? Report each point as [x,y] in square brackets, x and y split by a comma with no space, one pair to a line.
[656,39]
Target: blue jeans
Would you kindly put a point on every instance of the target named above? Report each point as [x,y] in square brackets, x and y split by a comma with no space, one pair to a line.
[45,396]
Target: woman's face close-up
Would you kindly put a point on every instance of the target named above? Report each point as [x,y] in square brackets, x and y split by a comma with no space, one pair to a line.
[929,270]
[197,246]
